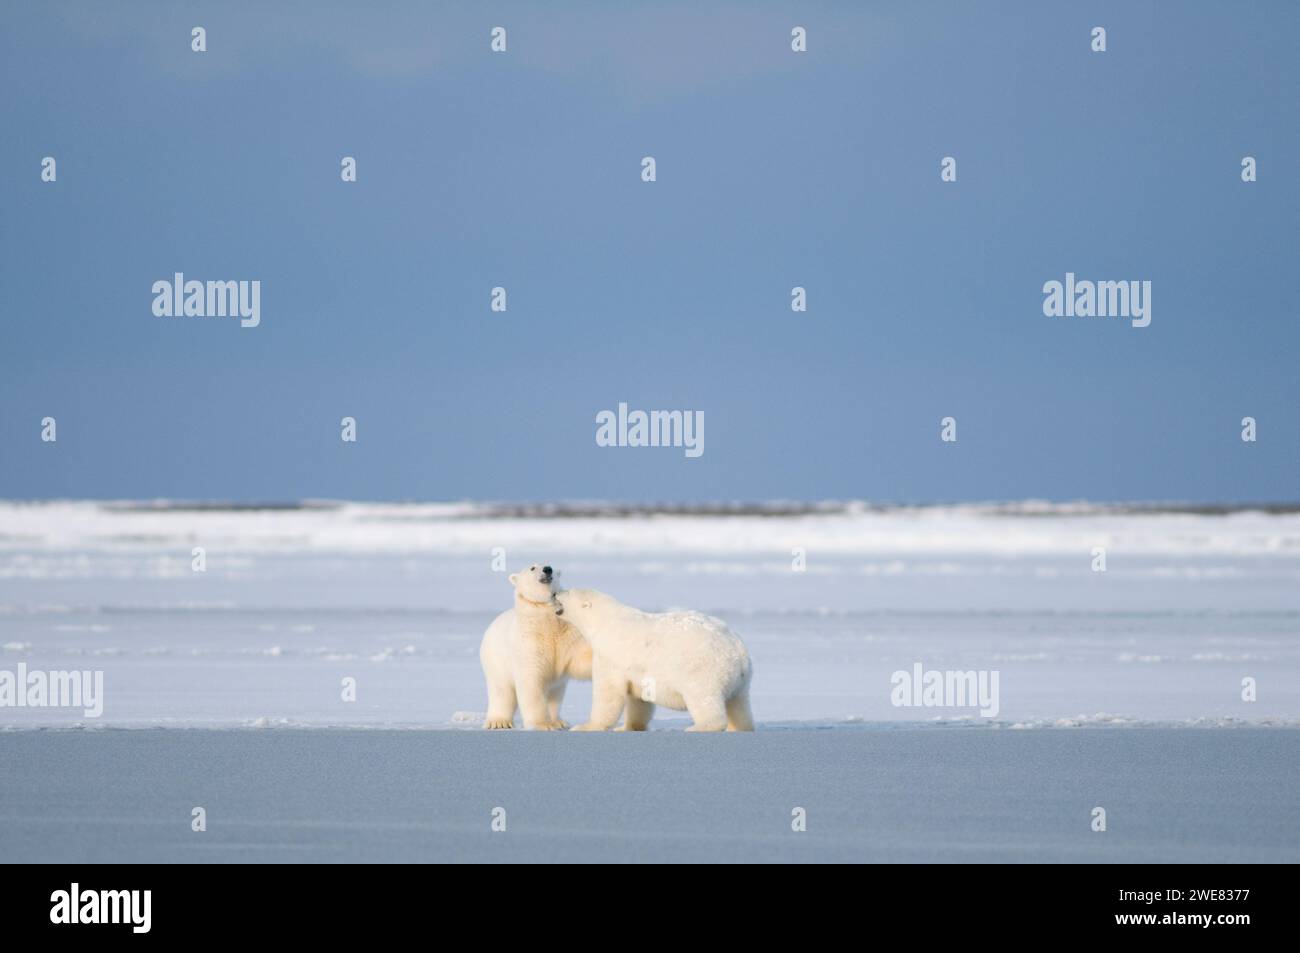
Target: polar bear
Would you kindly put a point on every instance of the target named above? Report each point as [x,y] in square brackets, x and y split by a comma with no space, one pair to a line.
[683,660]
[529,653]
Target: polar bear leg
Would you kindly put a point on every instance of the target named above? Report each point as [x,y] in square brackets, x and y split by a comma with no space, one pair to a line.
[608,692]
[708,712]
[533,705]
[501,706]
[739,717]
[637,714]
[554,698]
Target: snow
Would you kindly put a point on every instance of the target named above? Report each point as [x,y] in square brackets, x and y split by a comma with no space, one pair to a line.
[397,596]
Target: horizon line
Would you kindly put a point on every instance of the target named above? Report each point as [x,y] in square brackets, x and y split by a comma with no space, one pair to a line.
[496,508]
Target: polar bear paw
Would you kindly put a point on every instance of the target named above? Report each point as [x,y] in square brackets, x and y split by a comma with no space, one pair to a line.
[498,723]
[549,726]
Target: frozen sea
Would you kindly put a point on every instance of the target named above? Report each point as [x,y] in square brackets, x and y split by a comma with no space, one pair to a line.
[923,795]
[1120,688]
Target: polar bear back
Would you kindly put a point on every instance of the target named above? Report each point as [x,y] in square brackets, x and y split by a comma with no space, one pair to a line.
[683,652]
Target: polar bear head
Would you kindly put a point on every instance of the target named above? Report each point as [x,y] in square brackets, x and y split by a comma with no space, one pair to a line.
[536,584]
[588,608]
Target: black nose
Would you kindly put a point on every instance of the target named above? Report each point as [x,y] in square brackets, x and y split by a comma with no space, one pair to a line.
[547,570]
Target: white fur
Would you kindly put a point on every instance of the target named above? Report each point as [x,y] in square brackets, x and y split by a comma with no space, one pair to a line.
[529,653]
[682,660]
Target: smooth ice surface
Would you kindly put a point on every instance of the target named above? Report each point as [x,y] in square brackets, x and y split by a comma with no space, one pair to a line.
[947,794]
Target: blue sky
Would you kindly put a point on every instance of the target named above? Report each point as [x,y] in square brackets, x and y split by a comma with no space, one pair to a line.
[775,169]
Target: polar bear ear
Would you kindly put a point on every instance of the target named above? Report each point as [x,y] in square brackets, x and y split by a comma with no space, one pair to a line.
[514,579]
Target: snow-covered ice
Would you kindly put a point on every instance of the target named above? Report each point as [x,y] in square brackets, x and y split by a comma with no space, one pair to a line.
[397,596]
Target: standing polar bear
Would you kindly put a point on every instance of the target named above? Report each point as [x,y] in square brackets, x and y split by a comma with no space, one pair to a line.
[529,653]
[682,660]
